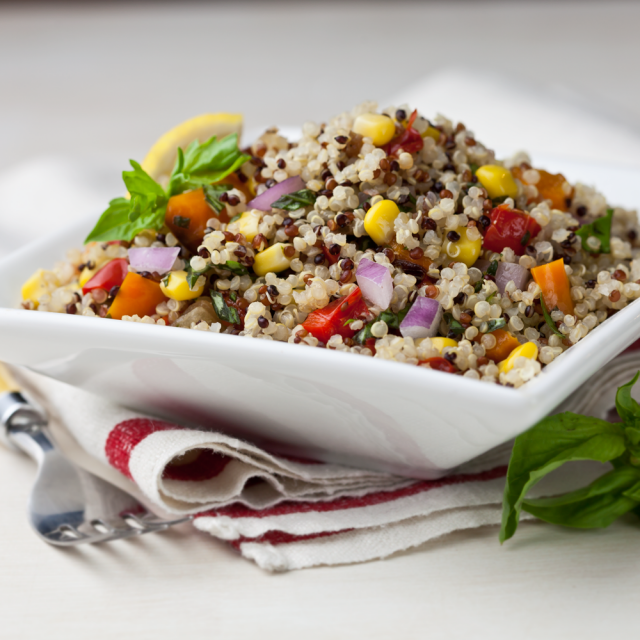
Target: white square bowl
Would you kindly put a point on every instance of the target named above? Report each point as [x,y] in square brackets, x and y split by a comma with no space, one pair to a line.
[299,401]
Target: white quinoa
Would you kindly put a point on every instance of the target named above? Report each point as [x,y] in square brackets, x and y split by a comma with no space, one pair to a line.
[439,197]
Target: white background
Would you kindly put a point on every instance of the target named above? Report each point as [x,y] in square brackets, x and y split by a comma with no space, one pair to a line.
[96,85]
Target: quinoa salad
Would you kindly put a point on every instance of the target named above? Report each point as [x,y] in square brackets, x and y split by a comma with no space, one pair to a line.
[382,233]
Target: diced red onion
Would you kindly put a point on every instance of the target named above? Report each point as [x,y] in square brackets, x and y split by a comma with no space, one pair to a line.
[264,201]
[511,271]
[375,283]
[423,319]
[153,259]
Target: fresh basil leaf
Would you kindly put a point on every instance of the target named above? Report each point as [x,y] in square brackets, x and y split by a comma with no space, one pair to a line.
[628,409]
[233,295]
[235,218]
[600,228]
[203,164]
[548,445]
[547,318]
[295,200]
[495,323]
[140,183]
[492,269]
[192,276]
[454,325]
[477,287]
[237,268]
[114,223]
[212,193]
[596,506]
[348,322]
[224,311]
[364,334]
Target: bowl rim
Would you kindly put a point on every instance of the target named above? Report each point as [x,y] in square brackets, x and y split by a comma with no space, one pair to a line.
[541,394]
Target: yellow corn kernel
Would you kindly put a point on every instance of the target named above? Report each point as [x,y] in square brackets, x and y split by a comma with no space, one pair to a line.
[248,224]
[464,250]
[498,181]
[526,350]
[37,286]
[86,275]
[271,259]
[432,132]
[378,222]
[381,129]
[441,343]
[177,287]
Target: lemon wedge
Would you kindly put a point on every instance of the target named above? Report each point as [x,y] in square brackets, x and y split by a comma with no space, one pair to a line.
[161,158]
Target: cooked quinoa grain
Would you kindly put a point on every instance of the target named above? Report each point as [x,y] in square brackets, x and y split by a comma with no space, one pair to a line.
[388,235]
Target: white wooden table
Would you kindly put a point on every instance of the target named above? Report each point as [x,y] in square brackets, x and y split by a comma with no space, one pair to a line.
[102,83]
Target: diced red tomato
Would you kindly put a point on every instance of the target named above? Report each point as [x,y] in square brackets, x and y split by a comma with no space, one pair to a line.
[409,140]
[370,343]
[330,320]
[510,228]
[439,364]
[111,275]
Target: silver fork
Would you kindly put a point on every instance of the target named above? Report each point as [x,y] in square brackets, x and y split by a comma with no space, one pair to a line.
[68,505]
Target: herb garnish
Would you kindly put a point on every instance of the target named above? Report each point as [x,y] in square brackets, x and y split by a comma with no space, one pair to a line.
[199,165]
[296,200]
[192,276]
[549,321]
[236,267]
[454,325]
[495,323]
[391,319]
[525,238]
[566,437]
[212,193]
[492,269]
[600,228]
[181,221]
[223,310]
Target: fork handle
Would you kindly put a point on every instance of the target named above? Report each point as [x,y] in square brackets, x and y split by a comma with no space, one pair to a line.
[17,414]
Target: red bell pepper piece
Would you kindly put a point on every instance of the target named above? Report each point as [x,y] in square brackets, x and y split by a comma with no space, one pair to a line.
[409,140]
[510,228]
[330,320]
[111,275]
[439,364]
[329,256]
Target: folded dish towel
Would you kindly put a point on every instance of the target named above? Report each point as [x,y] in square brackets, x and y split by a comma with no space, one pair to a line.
[280,512]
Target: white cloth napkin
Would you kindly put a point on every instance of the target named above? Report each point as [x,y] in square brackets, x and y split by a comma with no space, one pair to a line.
[282,513]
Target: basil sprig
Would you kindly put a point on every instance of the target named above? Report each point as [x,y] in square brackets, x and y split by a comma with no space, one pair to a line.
[199,165]
[296,200]
[600,228]
[567,437]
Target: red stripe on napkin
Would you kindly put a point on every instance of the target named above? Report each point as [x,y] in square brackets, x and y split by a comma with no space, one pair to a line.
[126,436]
[238,510]
[206,466]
